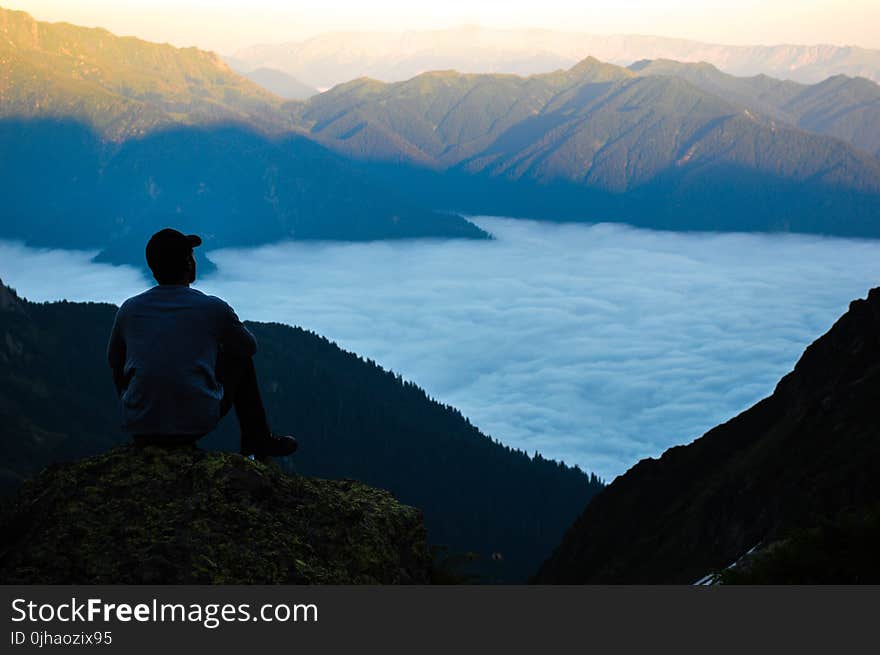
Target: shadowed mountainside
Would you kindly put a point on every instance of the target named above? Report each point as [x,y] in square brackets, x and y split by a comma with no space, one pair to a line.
[792,477]
[65,187]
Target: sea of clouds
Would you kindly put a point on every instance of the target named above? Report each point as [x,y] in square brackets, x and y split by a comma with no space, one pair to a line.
[595,344]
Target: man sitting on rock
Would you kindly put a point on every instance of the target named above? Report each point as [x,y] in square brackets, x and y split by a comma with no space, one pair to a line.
[182,359]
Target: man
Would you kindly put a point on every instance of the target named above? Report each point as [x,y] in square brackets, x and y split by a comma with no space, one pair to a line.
[182,359]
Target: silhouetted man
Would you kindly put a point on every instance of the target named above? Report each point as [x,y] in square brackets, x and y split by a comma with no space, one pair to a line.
[182,359]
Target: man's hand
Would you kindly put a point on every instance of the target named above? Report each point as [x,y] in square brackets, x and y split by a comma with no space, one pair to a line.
[120,381]
[116,355]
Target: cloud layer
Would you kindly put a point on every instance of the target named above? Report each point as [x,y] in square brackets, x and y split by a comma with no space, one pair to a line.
[598,345]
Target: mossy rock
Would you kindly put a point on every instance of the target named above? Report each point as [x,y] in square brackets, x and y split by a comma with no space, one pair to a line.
[186,516]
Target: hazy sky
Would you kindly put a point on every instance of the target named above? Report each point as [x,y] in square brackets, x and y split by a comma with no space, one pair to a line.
[598,345]
[226,25]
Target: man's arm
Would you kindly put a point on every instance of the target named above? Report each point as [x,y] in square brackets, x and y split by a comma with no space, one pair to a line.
[235,338]
[116,354]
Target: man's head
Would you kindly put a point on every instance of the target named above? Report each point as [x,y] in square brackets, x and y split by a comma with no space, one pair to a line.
[170,256]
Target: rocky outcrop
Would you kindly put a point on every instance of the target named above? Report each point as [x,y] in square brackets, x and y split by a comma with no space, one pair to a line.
[187,516]
[798,469]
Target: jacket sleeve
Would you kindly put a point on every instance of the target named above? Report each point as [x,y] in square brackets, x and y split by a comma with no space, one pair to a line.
[116,353]
[234,336]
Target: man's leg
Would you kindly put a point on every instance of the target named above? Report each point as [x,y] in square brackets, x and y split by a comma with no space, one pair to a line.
[240,390]
[238,376]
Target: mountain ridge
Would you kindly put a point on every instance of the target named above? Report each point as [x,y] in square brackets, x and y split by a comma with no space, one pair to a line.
[804,458]
[840,106]
[121,86]
[331,58]
[598,142]
[581,91]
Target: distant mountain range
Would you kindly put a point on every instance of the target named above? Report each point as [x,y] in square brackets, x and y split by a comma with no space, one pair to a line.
[329,59]
[281,84]
[601,142]
[107,139]
[353,420]
[789,490]
[131,136]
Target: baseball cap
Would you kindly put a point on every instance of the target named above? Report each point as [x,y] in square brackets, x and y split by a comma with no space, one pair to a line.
[168,249]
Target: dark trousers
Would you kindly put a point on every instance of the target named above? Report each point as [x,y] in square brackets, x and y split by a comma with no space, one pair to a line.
[238,376]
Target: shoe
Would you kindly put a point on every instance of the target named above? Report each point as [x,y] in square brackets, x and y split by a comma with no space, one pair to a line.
[272,445]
